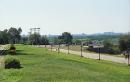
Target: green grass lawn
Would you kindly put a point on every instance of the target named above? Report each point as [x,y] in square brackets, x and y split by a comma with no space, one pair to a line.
[41,65]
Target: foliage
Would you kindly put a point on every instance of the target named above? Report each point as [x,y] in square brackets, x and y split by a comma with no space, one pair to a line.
[24,40]
[110,48]
[44,40]
[11,35]
[56,41]
[11,62]
[124,43]
[66,38]
[36,39]
[4,39]
[14,35]
[12,49]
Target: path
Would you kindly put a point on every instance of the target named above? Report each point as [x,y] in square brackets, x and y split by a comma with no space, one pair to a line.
[94,55]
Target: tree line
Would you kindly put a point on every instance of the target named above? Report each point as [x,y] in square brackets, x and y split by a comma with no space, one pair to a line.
[13,35]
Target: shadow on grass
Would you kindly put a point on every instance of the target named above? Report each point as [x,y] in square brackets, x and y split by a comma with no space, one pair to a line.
[21,52]
[14,67]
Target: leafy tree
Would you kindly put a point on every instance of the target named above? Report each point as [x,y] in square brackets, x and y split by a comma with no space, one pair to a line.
[55,40]
[124,43]
[60,39]
[34,39]
[66,38]
[4,37]
[14,34]
[44,40]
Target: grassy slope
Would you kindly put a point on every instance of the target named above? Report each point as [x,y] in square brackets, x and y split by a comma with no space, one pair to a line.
[41,65]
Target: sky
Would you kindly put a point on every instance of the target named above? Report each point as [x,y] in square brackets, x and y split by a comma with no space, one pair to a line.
[57,16]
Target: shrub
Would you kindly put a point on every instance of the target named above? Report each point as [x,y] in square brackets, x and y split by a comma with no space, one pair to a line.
[12,50]
[12,63]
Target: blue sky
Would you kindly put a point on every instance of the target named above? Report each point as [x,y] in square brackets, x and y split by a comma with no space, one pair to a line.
[57,16]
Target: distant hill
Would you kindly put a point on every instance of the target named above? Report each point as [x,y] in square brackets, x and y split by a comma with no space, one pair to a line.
[83,35]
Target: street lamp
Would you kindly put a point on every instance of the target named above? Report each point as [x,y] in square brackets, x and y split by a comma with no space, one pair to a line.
[99,46]
[99,50]
[128,53]
[68,48]
[59,48]
[51,46]
[81,49]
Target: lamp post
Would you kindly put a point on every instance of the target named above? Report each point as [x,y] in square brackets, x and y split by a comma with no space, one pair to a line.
[99,46]
[68,48]
[99,52]
[128,57]
[51,47]
[59,48]
[81,49]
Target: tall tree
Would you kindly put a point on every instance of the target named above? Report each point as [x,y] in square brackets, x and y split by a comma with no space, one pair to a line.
[4,37]
[44,40]
[66,37]
[34,39]
[14,34]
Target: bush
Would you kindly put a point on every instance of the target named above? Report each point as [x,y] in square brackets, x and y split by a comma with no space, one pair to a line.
[12,63]
[12,50]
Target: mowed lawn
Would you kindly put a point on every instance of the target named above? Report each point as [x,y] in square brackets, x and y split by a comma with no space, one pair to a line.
[41,65]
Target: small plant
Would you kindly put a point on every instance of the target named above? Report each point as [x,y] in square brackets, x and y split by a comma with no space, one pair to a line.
[12,49]
[11,62]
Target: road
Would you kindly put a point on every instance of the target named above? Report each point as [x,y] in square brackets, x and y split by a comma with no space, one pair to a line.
[93,55]
[96,56]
